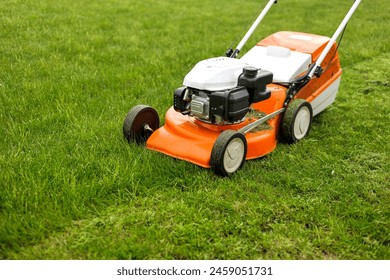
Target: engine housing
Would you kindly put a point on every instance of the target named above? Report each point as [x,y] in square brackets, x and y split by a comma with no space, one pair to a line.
[221,90]
[229,106]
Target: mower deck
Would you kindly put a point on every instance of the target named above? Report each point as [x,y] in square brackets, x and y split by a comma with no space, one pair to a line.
[189,139]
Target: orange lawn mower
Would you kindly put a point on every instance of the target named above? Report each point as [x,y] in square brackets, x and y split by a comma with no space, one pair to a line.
[231,109]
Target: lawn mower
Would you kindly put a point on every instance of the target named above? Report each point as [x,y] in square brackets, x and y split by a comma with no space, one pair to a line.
[233,109]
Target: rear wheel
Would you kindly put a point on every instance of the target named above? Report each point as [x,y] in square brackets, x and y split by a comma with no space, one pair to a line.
[297,121]
[228,153]
[140,123]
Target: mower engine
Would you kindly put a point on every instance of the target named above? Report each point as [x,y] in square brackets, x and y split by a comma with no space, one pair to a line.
[221,90]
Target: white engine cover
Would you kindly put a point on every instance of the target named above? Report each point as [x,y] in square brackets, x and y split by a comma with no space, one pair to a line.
[286,65]
[215,74]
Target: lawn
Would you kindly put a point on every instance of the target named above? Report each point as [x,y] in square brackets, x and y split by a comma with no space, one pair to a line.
[71,187]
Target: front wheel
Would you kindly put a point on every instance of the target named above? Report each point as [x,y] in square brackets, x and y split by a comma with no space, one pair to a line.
[140,123]
[228,153]
[297,121]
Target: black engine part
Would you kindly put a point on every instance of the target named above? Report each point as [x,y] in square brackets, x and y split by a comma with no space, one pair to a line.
[256,80]
[181,103]
[232,105]
[227,106]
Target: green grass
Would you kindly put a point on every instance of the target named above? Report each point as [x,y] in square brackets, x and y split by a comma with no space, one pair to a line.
[72,188]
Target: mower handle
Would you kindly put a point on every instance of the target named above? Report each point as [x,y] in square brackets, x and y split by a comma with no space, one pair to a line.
[317,67]
[234,53]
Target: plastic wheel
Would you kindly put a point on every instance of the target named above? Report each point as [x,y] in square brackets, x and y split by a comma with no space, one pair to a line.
[140,123]
[228,153]
[297,121]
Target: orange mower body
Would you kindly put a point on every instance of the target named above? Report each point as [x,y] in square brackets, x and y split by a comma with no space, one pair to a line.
[187,138]
[231,109]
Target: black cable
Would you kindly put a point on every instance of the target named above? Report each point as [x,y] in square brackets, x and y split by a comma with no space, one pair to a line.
[300,82]
[337,48]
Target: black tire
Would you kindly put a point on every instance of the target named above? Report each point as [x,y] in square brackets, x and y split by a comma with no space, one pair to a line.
[140,123]
[297,121]
[228,153]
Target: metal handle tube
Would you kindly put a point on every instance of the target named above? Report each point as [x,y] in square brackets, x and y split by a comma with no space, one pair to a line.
[334,37]
[254,25]
[258,122]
